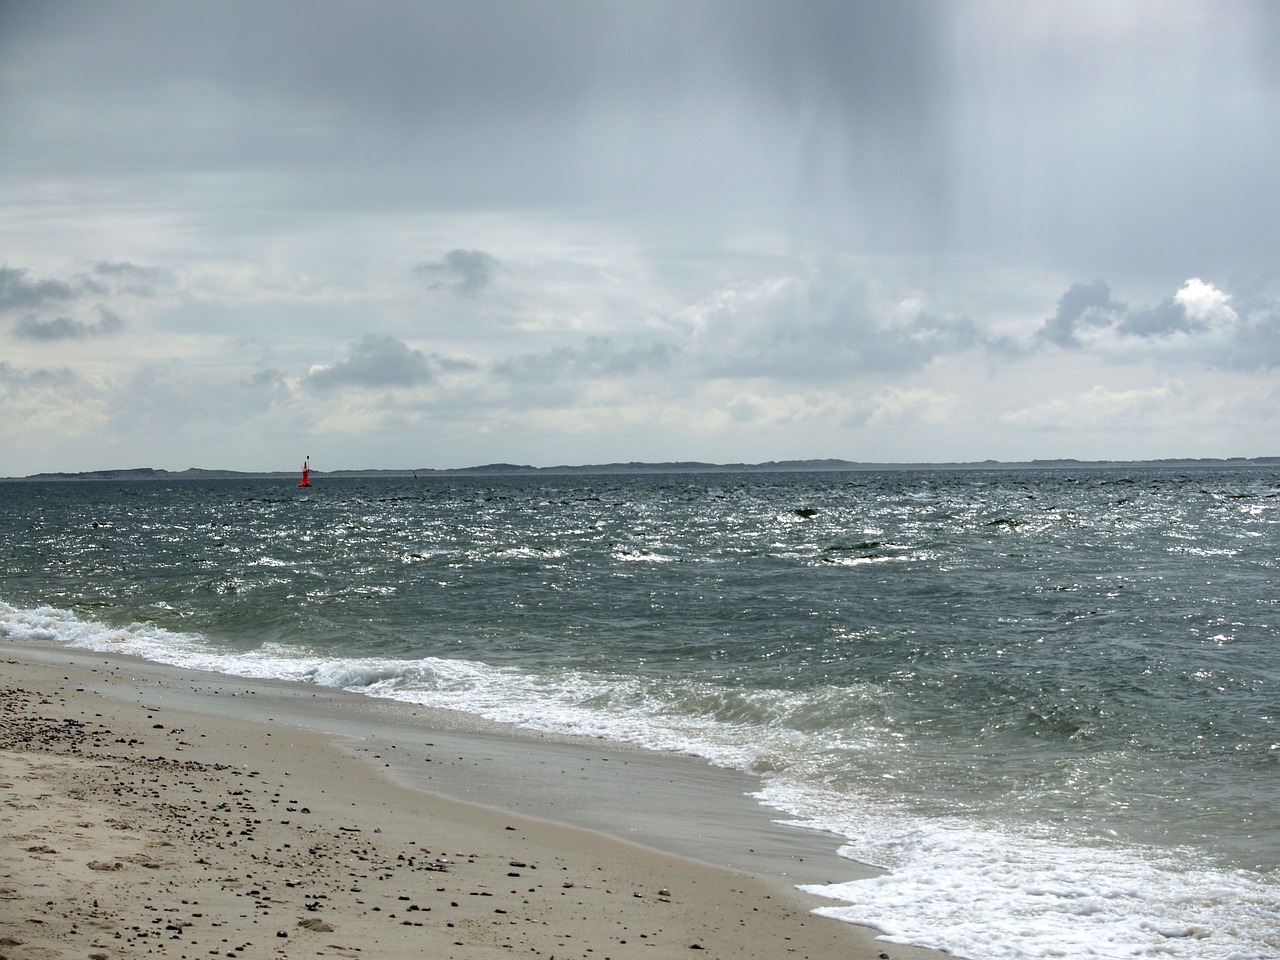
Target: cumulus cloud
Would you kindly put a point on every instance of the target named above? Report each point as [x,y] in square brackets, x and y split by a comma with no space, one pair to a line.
[1203,303]
[380,362]
[108,324]
[43,407]
[465,272]
[913,405]
[1198,307]
[920,340]
[822,326]
[780,409]
[1197,324]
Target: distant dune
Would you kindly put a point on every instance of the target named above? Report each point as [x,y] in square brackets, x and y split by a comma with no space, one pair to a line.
[681,466]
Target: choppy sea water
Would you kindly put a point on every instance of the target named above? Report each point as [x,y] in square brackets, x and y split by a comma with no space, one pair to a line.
[1045,701]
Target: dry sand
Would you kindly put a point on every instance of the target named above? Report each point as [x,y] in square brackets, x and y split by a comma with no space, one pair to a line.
[134,825]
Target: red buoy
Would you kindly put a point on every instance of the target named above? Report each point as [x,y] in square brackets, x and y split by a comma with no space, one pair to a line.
[306,472]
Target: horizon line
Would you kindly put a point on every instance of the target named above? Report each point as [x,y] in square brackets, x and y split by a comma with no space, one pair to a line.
[635,466]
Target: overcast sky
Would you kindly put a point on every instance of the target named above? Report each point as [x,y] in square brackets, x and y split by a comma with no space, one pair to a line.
[425,234]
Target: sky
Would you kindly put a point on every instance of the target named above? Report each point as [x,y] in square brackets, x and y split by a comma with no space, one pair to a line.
[417,234]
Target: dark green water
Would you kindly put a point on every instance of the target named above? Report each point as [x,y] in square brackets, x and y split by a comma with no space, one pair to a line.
[1058,690]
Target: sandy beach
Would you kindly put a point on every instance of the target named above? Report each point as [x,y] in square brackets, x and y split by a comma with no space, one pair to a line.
[150,811]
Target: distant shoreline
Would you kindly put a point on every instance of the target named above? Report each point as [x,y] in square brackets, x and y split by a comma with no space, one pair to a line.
[772,466]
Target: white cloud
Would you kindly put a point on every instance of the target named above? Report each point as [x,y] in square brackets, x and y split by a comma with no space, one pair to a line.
[1205,303]
[779,409]
[1097,407]
[897,405]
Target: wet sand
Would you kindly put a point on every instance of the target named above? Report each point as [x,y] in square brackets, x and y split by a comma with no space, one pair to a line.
[149,811]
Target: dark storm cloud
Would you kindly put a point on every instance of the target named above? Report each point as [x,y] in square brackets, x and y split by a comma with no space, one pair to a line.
[928,126]
[19,292]
[1163,320]
[462,271]
[1084,306]
[38,302]
[411,62]
[193,83]
[64,328]
[381,362]
[633,106]
[376,361]
[871,75]
[1089,309]
[910,126]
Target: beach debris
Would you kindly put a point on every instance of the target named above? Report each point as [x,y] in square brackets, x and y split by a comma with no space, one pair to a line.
[315,925]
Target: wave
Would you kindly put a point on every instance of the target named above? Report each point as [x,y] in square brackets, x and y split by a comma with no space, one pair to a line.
[963,884]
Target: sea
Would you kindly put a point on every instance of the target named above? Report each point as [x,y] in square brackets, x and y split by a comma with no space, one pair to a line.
[1045,702]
